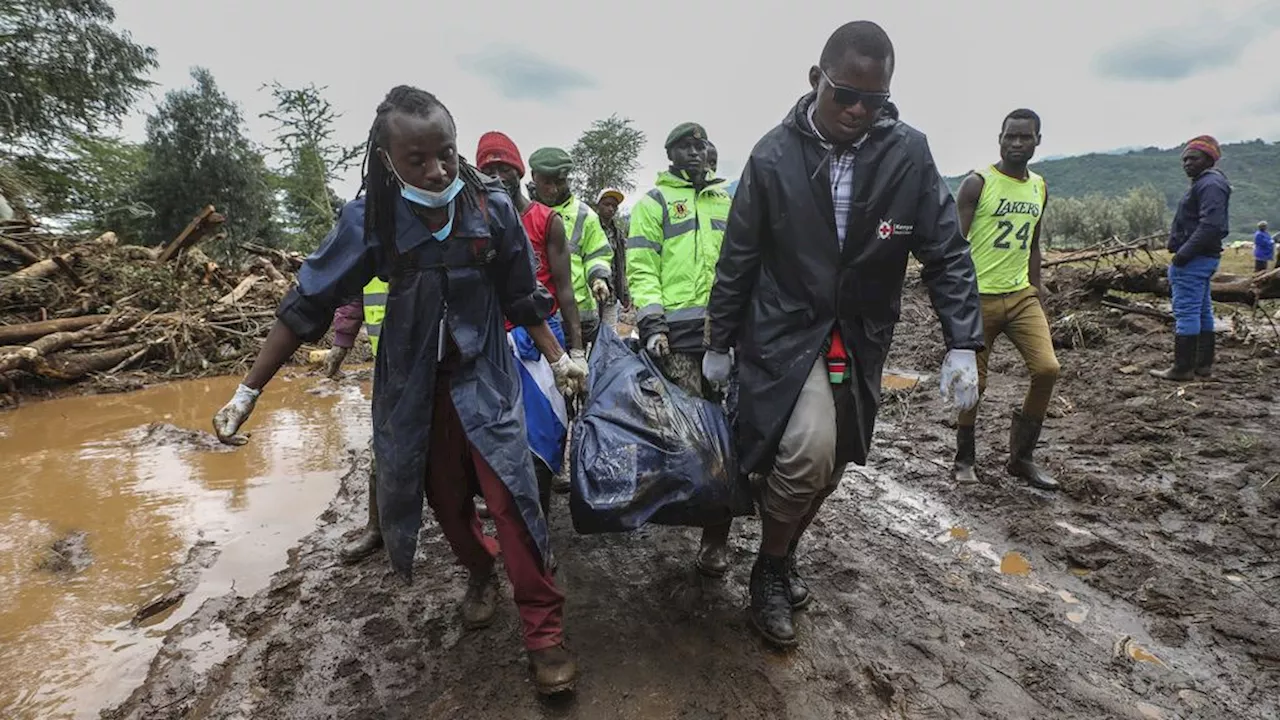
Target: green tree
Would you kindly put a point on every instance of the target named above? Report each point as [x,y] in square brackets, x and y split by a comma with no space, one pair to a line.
[93,184]
[197,155]
[311,161]
[66,72]
[606,155]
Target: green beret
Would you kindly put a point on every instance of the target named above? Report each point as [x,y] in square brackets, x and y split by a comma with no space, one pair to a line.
[550,161]
[684,130]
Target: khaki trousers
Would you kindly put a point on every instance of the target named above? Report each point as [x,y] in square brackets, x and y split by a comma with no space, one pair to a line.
[1019,317]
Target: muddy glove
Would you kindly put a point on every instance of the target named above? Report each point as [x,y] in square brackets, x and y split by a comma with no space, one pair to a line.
[959,377]
[579,358]
[716,367]
[570,377]
[600,289]
[657,346]
[233,414]
[333,361]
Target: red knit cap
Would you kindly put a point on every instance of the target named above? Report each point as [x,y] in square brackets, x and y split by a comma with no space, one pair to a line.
[496,147]
[1205,144]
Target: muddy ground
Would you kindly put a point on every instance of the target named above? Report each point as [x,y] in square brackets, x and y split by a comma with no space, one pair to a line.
[1145,589]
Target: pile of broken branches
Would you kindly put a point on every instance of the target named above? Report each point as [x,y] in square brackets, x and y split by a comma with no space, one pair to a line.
[76,308]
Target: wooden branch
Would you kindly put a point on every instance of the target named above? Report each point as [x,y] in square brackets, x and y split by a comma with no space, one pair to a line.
[200,226]
[66,268]
[1138,310]
[1152,279]
[41,269]
[13,248]
[26,332]
[239,292]
[1100,252]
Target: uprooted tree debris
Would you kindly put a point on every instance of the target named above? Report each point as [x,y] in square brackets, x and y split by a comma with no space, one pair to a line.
[76,308]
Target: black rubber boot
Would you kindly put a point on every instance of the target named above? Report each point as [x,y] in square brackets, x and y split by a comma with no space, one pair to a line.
[1204,354]
[713,551]
[771,601]
[798,589]
[1184,358]
[369,541]
[1024,433]
[963,471]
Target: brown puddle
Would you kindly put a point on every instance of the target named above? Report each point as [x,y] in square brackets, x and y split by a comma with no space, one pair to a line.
[1013,563]
[102,498]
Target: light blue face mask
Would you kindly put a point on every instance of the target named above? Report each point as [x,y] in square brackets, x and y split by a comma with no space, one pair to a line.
[422,196]
[443,233]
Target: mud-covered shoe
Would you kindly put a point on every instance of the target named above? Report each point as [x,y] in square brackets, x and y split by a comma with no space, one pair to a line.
[369,541]
[713,551]
[481,601]
[560,481]
[798,589]
[770,613]
[554,670]
[963,471]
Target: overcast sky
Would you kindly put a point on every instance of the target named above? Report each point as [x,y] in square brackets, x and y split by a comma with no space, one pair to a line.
[1102,74]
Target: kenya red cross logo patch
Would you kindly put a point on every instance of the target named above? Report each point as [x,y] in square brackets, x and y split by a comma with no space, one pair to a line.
[885,230]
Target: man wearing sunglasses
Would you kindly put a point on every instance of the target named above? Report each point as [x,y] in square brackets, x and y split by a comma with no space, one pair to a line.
[808,290]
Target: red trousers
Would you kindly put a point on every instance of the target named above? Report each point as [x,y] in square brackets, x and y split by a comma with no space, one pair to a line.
[456,469]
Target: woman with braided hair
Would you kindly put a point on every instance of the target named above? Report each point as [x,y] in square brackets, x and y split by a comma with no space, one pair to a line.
[447,417]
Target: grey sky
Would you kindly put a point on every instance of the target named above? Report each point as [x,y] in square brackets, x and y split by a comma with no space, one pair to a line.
[1102,73]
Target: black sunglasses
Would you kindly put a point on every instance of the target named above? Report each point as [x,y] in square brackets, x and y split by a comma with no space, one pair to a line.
[847,96]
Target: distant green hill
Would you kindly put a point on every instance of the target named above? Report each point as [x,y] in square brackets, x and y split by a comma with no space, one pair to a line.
[1252,167]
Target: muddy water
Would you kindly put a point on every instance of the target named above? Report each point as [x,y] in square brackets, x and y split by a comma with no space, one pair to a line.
[102,497]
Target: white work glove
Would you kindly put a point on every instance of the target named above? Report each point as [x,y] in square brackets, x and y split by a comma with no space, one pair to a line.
[600,289]
[333,361]
[716,366]
[232,415]
[579,358]
[959,379]
[571,378]
[657,345]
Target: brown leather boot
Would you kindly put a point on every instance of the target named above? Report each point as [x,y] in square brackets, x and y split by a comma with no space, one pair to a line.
[554,670]
[369,541]
[481,601]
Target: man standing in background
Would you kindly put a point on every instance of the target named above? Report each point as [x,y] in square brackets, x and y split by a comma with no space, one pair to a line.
[1263,248]
[590,256]
[1000,209]
[607,207]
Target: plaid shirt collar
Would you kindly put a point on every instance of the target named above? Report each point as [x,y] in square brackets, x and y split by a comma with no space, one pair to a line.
[841,177]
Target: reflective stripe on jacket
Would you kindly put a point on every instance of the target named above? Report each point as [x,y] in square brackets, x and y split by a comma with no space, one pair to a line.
[590,255]
[375,309]
[672,251]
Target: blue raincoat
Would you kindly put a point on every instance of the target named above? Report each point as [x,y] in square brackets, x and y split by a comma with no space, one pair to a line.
[466,284]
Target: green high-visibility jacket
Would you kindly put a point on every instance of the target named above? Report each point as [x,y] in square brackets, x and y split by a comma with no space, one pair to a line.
[375,309]
[590,255]
[672,251]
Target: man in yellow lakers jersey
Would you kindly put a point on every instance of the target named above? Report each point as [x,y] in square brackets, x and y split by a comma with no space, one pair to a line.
[1000,209]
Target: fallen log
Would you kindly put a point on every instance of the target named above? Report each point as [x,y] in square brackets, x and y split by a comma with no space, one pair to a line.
[26,332]
[73,366]
[15,334]
[1153,280]
[28,356]
[1137,310]
[13,248]
[288,261]
[42,269]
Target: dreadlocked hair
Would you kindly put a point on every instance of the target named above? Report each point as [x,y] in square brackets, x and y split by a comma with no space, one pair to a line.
[379,185]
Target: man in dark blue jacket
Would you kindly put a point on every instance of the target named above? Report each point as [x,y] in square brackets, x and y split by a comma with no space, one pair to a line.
[1263,246]
[1196,243]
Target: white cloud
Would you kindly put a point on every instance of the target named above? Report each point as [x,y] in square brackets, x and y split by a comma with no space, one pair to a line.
[734,67]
